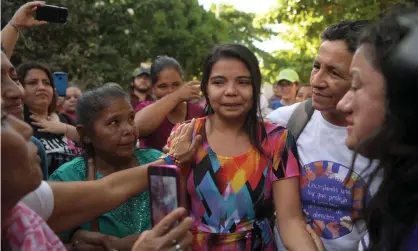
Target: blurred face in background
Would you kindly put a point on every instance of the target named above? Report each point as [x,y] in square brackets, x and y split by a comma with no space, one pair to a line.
[304,93]
[70,102]
[169,80]
[142,83]
[288,89]
[60,102]
[277,90]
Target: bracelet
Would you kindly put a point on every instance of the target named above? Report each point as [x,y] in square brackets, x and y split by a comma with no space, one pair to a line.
[170,159]
[19,32]
[15,26]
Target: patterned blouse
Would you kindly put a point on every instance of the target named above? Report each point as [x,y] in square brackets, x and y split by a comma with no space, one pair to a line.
[231,197]
[24,230]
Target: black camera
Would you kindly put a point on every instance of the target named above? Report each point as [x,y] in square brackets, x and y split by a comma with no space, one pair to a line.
[51,13]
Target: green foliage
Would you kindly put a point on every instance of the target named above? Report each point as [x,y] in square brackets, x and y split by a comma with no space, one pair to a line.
[243,28]
[103,41]
[305,21]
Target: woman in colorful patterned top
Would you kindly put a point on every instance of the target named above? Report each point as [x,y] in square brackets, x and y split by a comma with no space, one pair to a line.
[106,127]
[243,164]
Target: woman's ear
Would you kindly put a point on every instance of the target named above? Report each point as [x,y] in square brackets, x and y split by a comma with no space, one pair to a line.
[83,136]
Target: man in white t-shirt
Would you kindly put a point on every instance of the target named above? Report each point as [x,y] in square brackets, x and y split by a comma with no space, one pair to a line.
[264,106]
[331,195]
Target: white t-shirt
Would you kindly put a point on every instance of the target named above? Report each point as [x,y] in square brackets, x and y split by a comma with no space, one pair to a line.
[41,200]
[264,106]
[326,198]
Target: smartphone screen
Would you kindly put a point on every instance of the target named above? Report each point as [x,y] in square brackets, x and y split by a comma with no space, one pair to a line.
[51,13]
[164,197]
[60,82]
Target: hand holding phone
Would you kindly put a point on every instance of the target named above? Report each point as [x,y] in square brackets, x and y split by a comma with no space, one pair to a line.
[164,190]
[162,235]
[23,18]
[51,13]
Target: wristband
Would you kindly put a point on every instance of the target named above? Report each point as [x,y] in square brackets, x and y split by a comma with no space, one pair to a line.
[19,32]
[170,159]
[15,26]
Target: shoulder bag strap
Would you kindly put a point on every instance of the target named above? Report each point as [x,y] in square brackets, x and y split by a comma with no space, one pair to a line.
[91,175]
[298,121]
[300,118]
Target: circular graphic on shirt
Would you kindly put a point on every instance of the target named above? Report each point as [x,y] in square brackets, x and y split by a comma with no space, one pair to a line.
[332,197]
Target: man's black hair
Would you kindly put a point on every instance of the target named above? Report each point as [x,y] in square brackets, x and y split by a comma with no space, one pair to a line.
[348,31]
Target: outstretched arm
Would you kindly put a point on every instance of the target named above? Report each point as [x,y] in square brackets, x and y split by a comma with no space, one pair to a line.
[80,201]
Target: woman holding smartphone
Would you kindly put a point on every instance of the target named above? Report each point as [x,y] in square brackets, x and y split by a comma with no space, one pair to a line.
[243,164]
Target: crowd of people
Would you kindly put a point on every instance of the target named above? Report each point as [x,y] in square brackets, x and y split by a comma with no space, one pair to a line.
[326,166]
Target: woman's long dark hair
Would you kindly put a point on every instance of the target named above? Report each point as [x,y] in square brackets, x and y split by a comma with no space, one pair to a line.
[252,123]
[23,70]
[161,63]
[393,211]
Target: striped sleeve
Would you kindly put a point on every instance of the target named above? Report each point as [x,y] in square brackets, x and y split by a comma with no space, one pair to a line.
[285,162]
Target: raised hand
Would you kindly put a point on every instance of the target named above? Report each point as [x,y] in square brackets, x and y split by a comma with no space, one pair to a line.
[23,18]
[189,91]
[182,146]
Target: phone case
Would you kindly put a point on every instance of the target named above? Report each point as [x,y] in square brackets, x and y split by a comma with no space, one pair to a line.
[51,13]
[60,82]
[158,205]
